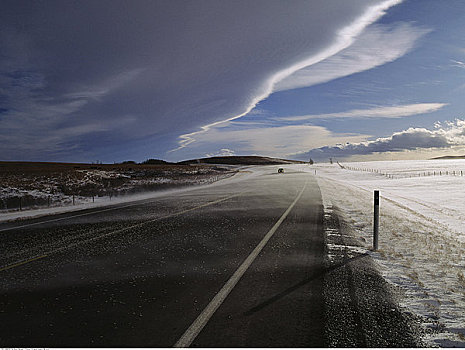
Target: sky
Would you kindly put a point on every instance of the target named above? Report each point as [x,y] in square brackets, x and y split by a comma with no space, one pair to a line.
[114,80]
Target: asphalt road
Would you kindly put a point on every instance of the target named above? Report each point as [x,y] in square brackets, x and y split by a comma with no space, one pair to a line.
[237,264]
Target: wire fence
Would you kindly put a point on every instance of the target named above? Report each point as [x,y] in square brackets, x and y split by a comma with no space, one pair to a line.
[405,175]
[27,201]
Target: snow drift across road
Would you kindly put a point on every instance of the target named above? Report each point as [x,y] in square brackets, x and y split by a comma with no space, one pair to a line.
[422,232]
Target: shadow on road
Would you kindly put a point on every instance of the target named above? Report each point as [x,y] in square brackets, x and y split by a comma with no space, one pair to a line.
[296,286]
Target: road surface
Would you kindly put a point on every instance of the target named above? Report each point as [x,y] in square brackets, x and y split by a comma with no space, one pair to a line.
[237,264]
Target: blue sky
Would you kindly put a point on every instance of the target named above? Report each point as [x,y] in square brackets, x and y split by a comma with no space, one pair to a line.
[118,80]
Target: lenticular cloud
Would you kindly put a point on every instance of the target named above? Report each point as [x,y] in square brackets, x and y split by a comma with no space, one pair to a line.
[160,68]
[342,38]
[368,51]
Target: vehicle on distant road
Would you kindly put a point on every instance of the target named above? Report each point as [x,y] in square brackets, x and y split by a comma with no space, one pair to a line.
[280,170]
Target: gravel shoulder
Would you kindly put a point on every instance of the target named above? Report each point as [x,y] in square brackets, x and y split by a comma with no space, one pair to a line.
[362,308]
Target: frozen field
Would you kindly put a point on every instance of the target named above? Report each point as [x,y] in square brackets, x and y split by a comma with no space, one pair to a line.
[422,232]
[41,187]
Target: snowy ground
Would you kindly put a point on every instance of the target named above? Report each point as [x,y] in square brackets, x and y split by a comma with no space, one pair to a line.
[422,235]
[422,232]
[235,174]
[41,189]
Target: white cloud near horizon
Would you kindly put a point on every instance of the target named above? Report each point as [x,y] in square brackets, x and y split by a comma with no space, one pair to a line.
[269,137]
[276,141]
[377,112]
[377,45]
[224,152]
[451,134]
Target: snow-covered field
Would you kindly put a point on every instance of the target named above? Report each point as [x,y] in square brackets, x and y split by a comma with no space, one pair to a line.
[422,232]
[39,190]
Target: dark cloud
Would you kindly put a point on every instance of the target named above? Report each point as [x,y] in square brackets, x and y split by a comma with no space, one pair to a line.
[90,74]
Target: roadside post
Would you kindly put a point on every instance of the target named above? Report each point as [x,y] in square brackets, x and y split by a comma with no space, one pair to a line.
[376,220]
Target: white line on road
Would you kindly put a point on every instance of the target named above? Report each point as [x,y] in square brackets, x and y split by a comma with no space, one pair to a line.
[196,327]
[116,207]
[112,207]
[71,217]
[97,237]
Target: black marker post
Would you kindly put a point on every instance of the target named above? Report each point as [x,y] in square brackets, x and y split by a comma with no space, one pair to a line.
[376,221]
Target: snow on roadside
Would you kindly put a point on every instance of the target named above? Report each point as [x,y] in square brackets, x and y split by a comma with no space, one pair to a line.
[54,191]
[86,203]
[422,236]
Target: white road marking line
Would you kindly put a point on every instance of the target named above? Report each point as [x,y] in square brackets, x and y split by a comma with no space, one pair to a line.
[22,262]
[139,202]
[114,206]
[196,327]
[68,217]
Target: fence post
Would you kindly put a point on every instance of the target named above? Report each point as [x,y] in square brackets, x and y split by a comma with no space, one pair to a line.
[20,203]
[376,220]
[48,201]
[73,199]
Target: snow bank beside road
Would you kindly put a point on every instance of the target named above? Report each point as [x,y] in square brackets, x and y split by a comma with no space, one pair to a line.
[36,188]
[422,235]
[87,203]
[411,183]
